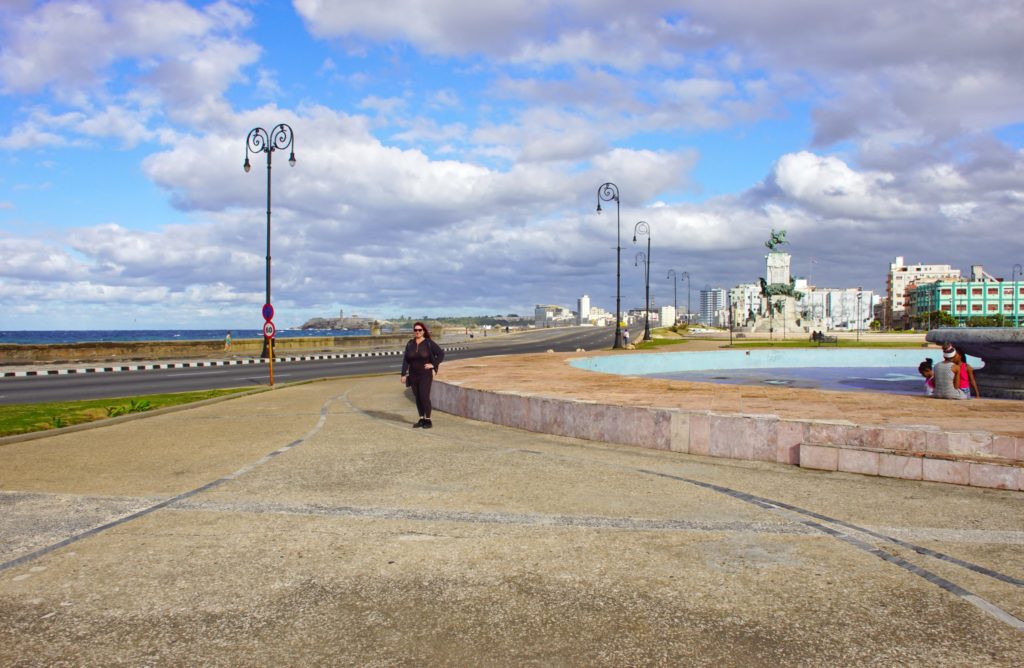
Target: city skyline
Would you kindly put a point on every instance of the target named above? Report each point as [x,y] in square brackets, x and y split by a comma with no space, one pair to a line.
[448,154]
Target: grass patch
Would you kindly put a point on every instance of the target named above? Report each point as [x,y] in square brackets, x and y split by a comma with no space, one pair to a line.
[667,333]
[27,418]
[843,343]
[658,343]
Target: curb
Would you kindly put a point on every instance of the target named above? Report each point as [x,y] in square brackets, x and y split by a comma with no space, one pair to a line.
[111,421]
[149,366]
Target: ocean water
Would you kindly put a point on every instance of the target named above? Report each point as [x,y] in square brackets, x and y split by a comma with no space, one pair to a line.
[112,335]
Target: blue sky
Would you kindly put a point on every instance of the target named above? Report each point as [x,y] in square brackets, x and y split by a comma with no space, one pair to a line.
[449,152]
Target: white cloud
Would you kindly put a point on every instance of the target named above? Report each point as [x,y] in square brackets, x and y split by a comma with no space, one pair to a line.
[35,259]
[129,125]
[533,107]
[387,106]
[444,26]
[69,44]
[829,186]
[427,131]
[188,57]
[344,218]
[881,67]
[30,135]
[446,98]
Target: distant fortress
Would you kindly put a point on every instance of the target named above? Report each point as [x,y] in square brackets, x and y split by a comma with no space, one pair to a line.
[343,322]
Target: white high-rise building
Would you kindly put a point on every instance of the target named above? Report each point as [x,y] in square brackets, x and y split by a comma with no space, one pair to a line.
[713,305]
[849,309]
[745,300]
[902,277]
[583,310]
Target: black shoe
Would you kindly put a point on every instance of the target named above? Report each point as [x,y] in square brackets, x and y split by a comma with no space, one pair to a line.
[427,424]
[419,424]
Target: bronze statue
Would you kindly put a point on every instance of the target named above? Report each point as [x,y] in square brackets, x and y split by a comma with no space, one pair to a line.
[778,289]
[776,240]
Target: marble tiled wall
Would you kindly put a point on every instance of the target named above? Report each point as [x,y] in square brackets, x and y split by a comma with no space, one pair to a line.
[921,452]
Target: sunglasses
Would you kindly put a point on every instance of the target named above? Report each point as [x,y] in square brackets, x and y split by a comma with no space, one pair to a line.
[417,329]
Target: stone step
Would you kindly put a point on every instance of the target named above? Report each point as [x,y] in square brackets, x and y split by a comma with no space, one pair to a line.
[971,470]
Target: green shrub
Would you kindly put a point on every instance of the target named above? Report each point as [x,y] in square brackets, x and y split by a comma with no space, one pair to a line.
[135,406]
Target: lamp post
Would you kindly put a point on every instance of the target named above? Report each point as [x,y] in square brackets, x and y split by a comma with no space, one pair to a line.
[728,300]
[675,286]
[641,257]
[281,137]
[686,275]
[860,296]
[1018,270]
[644,228]
[609,192]
[934,301]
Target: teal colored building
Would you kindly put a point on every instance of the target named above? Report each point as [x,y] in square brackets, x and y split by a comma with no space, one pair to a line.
[969,299]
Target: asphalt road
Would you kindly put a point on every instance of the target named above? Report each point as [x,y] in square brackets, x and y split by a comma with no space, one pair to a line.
[37,389]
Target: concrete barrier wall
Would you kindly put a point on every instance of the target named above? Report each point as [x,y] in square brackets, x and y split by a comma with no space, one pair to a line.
[155,350]
[917,452]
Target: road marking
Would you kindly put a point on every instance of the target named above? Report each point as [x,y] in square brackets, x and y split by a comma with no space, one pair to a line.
[156,366]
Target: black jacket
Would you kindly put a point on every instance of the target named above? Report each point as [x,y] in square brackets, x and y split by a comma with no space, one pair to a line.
[436,355]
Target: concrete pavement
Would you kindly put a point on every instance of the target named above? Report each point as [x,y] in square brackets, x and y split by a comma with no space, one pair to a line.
[310,525]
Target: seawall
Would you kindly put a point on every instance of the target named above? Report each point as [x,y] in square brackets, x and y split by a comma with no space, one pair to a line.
[155,350]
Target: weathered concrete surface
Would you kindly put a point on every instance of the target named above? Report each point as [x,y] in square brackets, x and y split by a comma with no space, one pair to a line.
[364,542]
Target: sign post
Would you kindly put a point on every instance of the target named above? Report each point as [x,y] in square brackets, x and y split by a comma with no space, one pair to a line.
[268,333]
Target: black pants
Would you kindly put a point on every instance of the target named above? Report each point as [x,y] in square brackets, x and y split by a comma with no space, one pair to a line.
[420,384]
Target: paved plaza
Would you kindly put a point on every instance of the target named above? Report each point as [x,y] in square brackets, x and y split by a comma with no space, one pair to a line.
[310,525]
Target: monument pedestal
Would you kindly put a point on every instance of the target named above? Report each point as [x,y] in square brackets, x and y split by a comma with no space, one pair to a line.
[784,321]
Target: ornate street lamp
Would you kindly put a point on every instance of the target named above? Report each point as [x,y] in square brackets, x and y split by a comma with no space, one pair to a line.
[259,140]
[860,296]
[728,300]
[641,257]
[609,192]
[644,228]
[686,275]
[675,287]
[1018,270]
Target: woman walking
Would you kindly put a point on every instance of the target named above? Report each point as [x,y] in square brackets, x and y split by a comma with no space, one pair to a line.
[421,361]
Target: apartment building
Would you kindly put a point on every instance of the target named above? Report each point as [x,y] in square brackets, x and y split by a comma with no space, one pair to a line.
[901,277]
[982,296]
[713,307]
